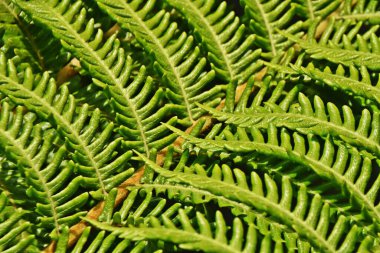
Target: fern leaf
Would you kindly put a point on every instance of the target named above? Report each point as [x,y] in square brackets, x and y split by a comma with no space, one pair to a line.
[361,10]
[186,235]
[222,33]
[338,80]
[336,55]
[176,58]
[311,120]
[29,45]
[107,62]
[137,208]
[12,226]
[193,195]
[347,35]
[321,161]
[95,158]
[32,151]
[312,9]
[309,227]
[268,16]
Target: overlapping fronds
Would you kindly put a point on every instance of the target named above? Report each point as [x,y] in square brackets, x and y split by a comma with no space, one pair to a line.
[347,57]
[32,149]
[177,58]
[139,107]
[195,233]
[352,59]
[230,50]
[313,9]
[93,153]
[26,43]
[135,210]
[266,18]
[344,167]
[13,229]
[311,223]
[307,118]
[189,126]
[362,10]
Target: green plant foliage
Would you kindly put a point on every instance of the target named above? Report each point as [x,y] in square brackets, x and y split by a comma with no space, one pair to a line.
[189,126]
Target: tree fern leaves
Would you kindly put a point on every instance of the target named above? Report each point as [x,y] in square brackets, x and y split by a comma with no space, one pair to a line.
[307,119]
[312,223]
[11,228]
[139,114]
[336,55]
[338,80]
[25,43]
[187,237]
[231,155]
[221,32]
[176,57]
[333,163]
[42,166]
[93,153]
[266,17]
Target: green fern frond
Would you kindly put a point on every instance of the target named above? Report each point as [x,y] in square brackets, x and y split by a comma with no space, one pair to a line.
[100,241]
[184,193]
[176,58]
[311,224]
[313,9]
[92,151]
[337,55]
[366,10]
[229,50]
[25,43]
[339,164]
[351,84]
[266,17]
[13,229]
[41,164]
[306,118]
[135,210]
[255,123]
[193,233]
[137,105]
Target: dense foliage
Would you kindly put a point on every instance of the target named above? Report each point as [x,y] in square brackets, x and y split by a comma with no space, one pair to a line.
[189,125]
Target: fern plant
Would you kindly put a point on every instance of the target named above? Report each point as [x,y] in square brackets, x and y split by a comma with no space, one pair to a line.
[189,126]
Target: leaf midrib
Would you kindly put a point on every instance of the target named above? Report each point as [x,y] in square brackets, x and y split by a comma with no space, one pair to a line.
[280,120]
[214,36]
[250,199]
[65,123]
[27,33]
[31,164]
[109,73]
[283,153]
[158,46]
[266,23]
[359,16]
